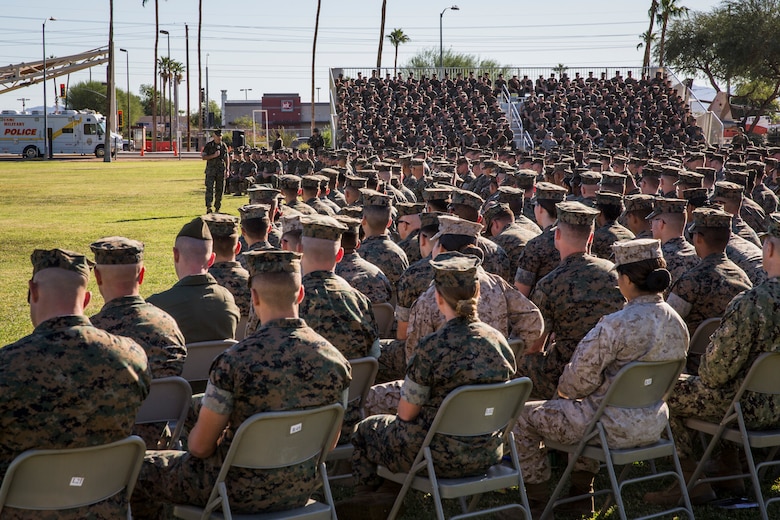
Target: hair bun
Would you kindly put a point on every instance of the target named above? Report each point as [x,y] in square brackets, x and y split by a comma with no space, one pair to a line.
[659,280]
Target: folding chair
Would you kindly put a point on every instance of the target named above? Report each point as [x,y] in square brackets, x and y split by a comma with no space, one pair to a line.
[198,361]
[241,328]
[384,313]
[699,341]
[274,440]
[761,378]
[637,385]
[363,374]
[168,401]
[58,480]
[470,411]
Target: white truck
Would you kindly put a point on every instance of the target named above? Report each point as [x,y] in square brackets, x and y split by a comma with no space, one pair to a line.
[73,132]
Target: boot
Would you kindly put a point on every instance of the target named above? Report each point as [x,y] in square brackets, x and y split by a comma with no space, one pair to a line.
[581,484]
[671,496]
[727,463]
[538,496]
[369,503]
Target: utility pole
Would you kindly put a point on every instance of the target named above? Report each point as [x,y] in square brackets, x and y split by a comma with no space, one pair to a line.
[187,61]
[23,100]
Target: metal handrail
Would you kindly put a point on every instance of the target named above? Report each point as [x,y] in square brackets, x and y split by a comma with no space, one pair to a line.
[334,115]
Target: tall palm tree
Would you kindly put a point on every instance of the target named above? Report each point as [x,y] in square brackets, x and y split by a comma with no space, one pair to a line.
[154,89]
[163,67]
[313,56]
[200,75]
[669,10]
[646,41]
[397,37]
[651,13]
[381,37]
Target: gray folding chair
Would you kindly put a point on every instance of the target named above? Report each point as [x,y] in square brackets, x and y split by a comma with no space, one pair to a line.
[384,313]
[470,411]
[198,361]
[637,385]
[363,374]
[241,328]
[58,480]
[699,341]
[274,440]
[762,378]
[168,402]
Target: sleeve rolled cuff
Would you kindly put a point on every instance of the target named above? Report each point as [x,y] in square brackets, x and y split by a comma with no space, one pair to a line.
[414,393]
[217,400]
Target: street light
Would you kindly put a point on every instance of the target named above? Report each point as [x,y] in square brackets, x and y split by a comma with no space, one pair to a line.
[441,38]
[170,79]
[127,94]
[246,92]
[45,111]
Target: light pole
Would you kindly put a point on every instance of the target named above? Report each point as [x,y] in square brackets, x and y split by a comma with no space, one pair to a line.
[127,94]
[170,79]
[246,92]
[45,109]
[208,125]
[24,107]
[441,38]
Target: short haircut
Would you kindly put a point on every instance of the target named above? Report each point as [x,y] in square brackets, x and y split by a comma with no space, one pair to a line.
[376,216]
[194,248]
[225,246]
[293,239]
[715,237]
[575,232]
[319,249]
[289,193]
[610,211]
[465,212]
[277,290]
[549,207]
[256,227]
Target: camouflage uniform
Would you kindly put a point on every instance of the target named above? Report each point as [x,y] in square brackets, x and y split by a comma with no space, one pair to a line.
[605,236]
[386,255]
[765,198]
[412,284]
[365,277]
[513,239]
[680,257]
[411,246]
[320,207]
[705,291]
[263,245]
[647,329]
[235,279]
[572,299]
[538,259]
[203,309]
[284,366]
[740,228]
[215,173]
[748,257]
[526,223]
[69,385]
[301,207]
[461,353]
[750,326]
[753,215]
[275,236]
[496,260]
[338,198]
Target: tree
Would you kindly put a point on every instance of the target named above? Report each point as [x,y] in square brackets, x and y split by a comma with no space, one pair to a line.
[560,69]
[397,37]
[651,13]
[690,46]
[646,41]
[428,60]
[381,36]
[91,95]
[669,10]
[313,56]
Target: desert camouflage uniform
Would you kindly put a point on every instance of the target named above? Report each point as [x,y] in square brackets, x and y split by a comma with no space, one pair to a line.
[748,257]
[705,291]
[513,239]
[750,326]
[285,366]
[320,207]
[411,246]
[235,279]
[69,385]
[572,299]
[680,257]
[365,277]
[605,236]
[461,353]
[386,255]
[263,245]
[538,259]
[647,329]
[496,260]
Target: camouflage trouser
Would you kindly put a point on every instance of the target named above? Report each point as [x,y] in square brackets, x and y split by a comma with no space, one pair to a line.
[383,398]
[546,419]
[545,368]
[691,398]
[392,360]
[215,186]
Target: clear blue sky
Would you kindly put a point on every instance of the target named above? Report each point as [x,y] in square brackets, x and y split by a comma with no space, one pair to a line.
[266,46]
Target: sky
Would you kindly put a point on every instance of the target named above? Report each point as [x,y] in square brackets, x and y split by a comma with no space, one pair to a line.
[266,46]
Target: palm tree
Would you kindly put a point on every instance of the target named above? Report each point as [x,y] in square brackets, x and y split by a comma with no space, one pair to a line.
[154,90]
[646,41]
[397,37]
[200,75]
[381,37]
[651,13]
[163,66]
[313,56]
[669,11]
[560,69]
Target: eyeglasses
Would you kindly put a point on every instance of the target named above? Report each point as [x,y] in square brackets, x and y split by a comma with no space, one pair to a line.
[399,222]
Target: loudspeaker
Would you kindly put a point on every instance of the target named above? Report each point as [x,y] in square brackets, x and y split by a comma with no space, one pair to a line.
[238,138]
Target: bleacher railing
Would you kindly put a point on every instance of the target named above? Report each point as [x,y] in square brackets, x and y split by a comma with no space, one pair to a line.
[335,138]
[523,140]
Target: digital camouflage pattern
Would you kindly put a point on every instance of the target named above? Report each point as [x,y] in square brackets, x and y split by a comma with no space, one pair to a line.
[572,299]
[513,239]
[263,245]
[233,277]
[680,256]
[606,235]
[413,282]
[750,326]
[386,255]
[765,198]
[320,207]
[705,291]
[538,258]
[365,277]
[69,385]
[740,228]
[286,365]
[342,315]
[215,173]
[496,260]
[461,353]
[411,246]
[748,257]
[301,207]
[647,329]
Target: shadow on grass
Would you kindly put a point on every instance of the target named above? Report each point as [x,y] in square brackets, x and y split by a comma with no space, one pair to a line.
[152,218]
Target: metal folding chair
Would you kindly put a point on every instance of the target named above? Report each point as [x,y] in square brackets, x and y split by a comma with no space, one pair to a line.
[637,385]
[470,411]
[698,344]
[384,313]
[168,401]
[198,361]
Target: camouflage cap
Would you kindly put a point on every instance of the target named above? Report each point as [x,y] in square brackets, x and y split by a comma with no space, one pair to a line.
[311,182]
[525,179]
[663,205]
[689,178]
[453,269]
[353,224]
[352,211]
[409,208]
[430,219]
[452,225]
[772,226]
[467,198]
[195,228]
[436,194]
[736,177]
[612,179]
[549,191]
[639,202]
[494,209]
[262,194]
[728,191]
[221,225]
[670,171]
[61,259]
[508,194]
[418,162]
[651,171]
[329,172]
[576,213]
[117,251]
[608,198]
[710,218]
[272,261]
[706,171]
[291,223]
[355,182]
[590,178]
[287,211]
[630,251]
[289,182]
[375,198]
[323,227]
[250,211]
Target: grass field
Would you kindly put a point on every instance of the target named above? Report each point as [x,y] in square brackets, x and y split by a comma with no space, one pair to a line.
[69,204]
